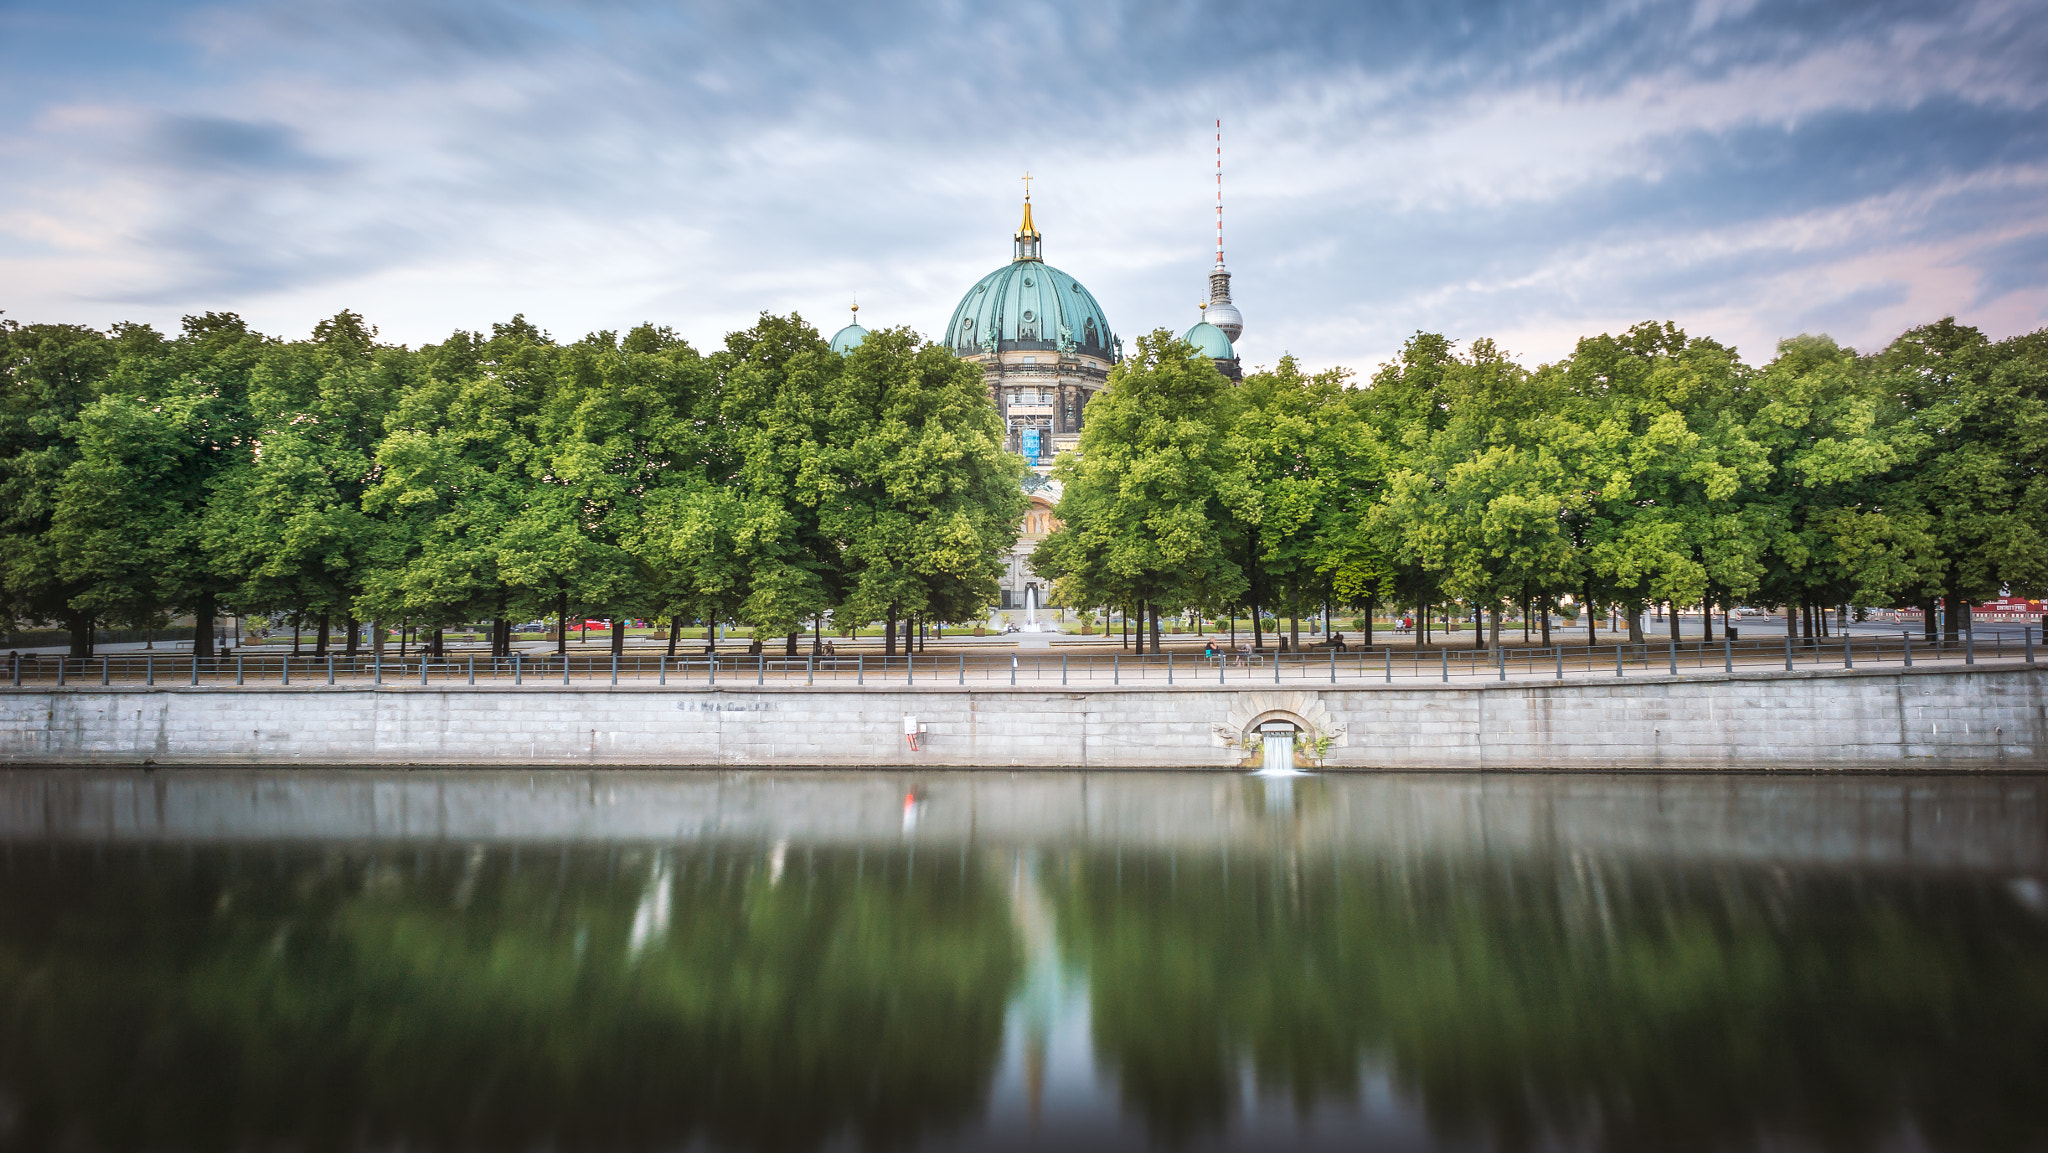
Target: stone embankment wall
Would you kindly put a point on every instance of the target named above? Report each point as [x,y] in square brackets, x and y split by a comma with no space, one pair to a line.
[1934,718]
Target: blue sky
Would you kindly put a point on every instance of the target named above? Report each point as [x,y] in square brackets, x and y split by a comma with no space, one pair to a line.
[1526,171]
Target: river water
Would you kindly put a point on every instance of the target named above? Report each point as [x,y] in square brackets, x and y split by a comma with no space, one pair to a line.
[244,959]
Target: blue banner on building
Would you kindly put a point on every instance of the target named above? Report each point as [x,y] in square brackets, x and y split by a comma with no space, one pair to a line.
[1031,445]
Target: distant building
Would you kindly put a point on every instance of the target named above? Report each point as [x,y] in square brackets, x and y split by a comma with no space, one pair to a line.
[1044,345]
[1045,349]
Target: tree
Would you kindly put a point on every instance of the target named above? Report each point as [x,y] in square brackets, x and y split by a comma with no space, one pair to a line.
[748,538]
[1483,499]
[1839,519]
[1665,457]
[49,373]
[1302,461]
[1143,515]
[129,522]
[290,530]
[925,498]
[1974,412]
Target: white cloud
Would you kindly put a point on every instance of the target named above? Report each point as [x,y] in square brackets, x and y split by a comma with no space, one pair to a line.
[596,169]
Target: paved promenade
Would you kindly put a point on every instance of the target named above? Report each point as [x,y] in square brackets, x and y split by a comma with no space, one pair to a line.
[1081,665]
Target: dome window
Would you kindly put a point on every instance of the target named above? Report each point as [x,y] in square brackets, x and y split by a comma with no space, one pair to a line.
[1028,315]
[1027,282]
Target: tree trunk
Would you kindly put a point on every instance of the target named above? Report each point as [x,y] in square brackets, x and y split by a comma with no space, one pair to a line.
[618,637]
[1494,643]
[355,628]
[1141,628]
[1369,604]
[80,626]
[789,642]
[440,650]
[889,632]
[1592,612]
[1928,624]
[1258,627]
[1155,630]
[1707,620]
[1544,604]
[1293,630]
[320,638]
[1479,626]
[202,627]
[562,626]
[377,640]
[1952,620]
[1675,635]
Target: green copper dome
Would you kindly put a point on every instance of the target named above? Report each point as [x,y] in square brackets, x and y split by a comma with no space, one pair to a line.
[847,339]
[1209,341]
[1028,304]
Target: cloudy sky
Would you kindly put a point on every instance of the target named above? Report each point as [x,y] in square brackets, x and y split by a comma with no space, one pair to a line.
[1528,171]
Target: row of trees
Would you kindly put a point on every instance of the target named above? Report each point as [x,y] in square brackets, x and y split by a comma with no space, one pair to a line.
[1651,467]
[494,477]
[508,476]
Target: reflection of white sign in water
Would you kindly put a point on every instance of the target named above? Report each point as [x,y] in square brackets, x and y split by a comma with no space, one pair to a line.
[1031,445]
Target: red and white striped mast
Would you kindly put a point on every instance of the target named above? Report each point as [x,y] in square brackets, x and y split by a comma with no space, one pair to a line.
[1219,311]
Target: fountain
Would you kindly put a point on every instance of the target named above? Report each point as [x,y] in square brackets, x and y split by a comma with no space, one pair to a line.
[1277,759]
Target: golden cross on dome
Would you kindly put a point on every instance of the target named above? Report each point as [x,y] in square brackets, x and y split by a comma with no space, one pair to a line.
[1027,186]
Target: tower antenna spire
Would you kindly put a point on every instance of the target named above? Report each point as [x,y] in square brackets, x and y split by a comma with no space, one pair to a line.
[1219,193]
[1220,311]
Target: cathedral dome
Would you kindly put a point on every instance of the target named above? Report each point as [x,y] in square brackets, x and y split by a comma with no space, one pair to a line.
[1210,341]
[847,339]
[1028,304]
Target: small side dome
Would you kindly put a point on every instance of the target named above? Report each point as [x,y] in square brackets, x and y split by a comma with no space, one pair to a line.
[1210,341]
[847,339]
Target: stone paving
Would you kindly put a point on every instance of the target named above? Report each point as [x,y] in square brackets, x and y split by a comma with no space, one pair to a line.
[1074,666]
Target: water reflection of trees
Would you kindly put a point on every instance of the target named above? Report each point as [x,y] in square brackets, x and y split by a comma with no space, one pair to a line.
[1585,1001]
[447,998]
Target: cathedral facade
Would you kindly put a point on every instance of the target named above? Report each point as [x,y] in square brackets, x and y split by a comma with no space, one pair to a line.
[1044,346]
[1045,349]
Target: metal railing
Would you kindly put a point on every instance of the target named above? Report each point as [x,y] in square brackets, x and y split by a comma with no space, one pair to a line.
[1006,667]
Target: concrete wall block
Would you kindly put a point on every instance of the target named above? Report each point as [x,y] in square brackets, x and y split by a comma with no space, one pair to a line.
[1977,718]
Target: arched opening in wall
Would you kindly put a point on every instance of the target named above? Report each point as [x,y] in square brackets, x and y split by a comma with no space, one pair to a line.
[1276,737]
